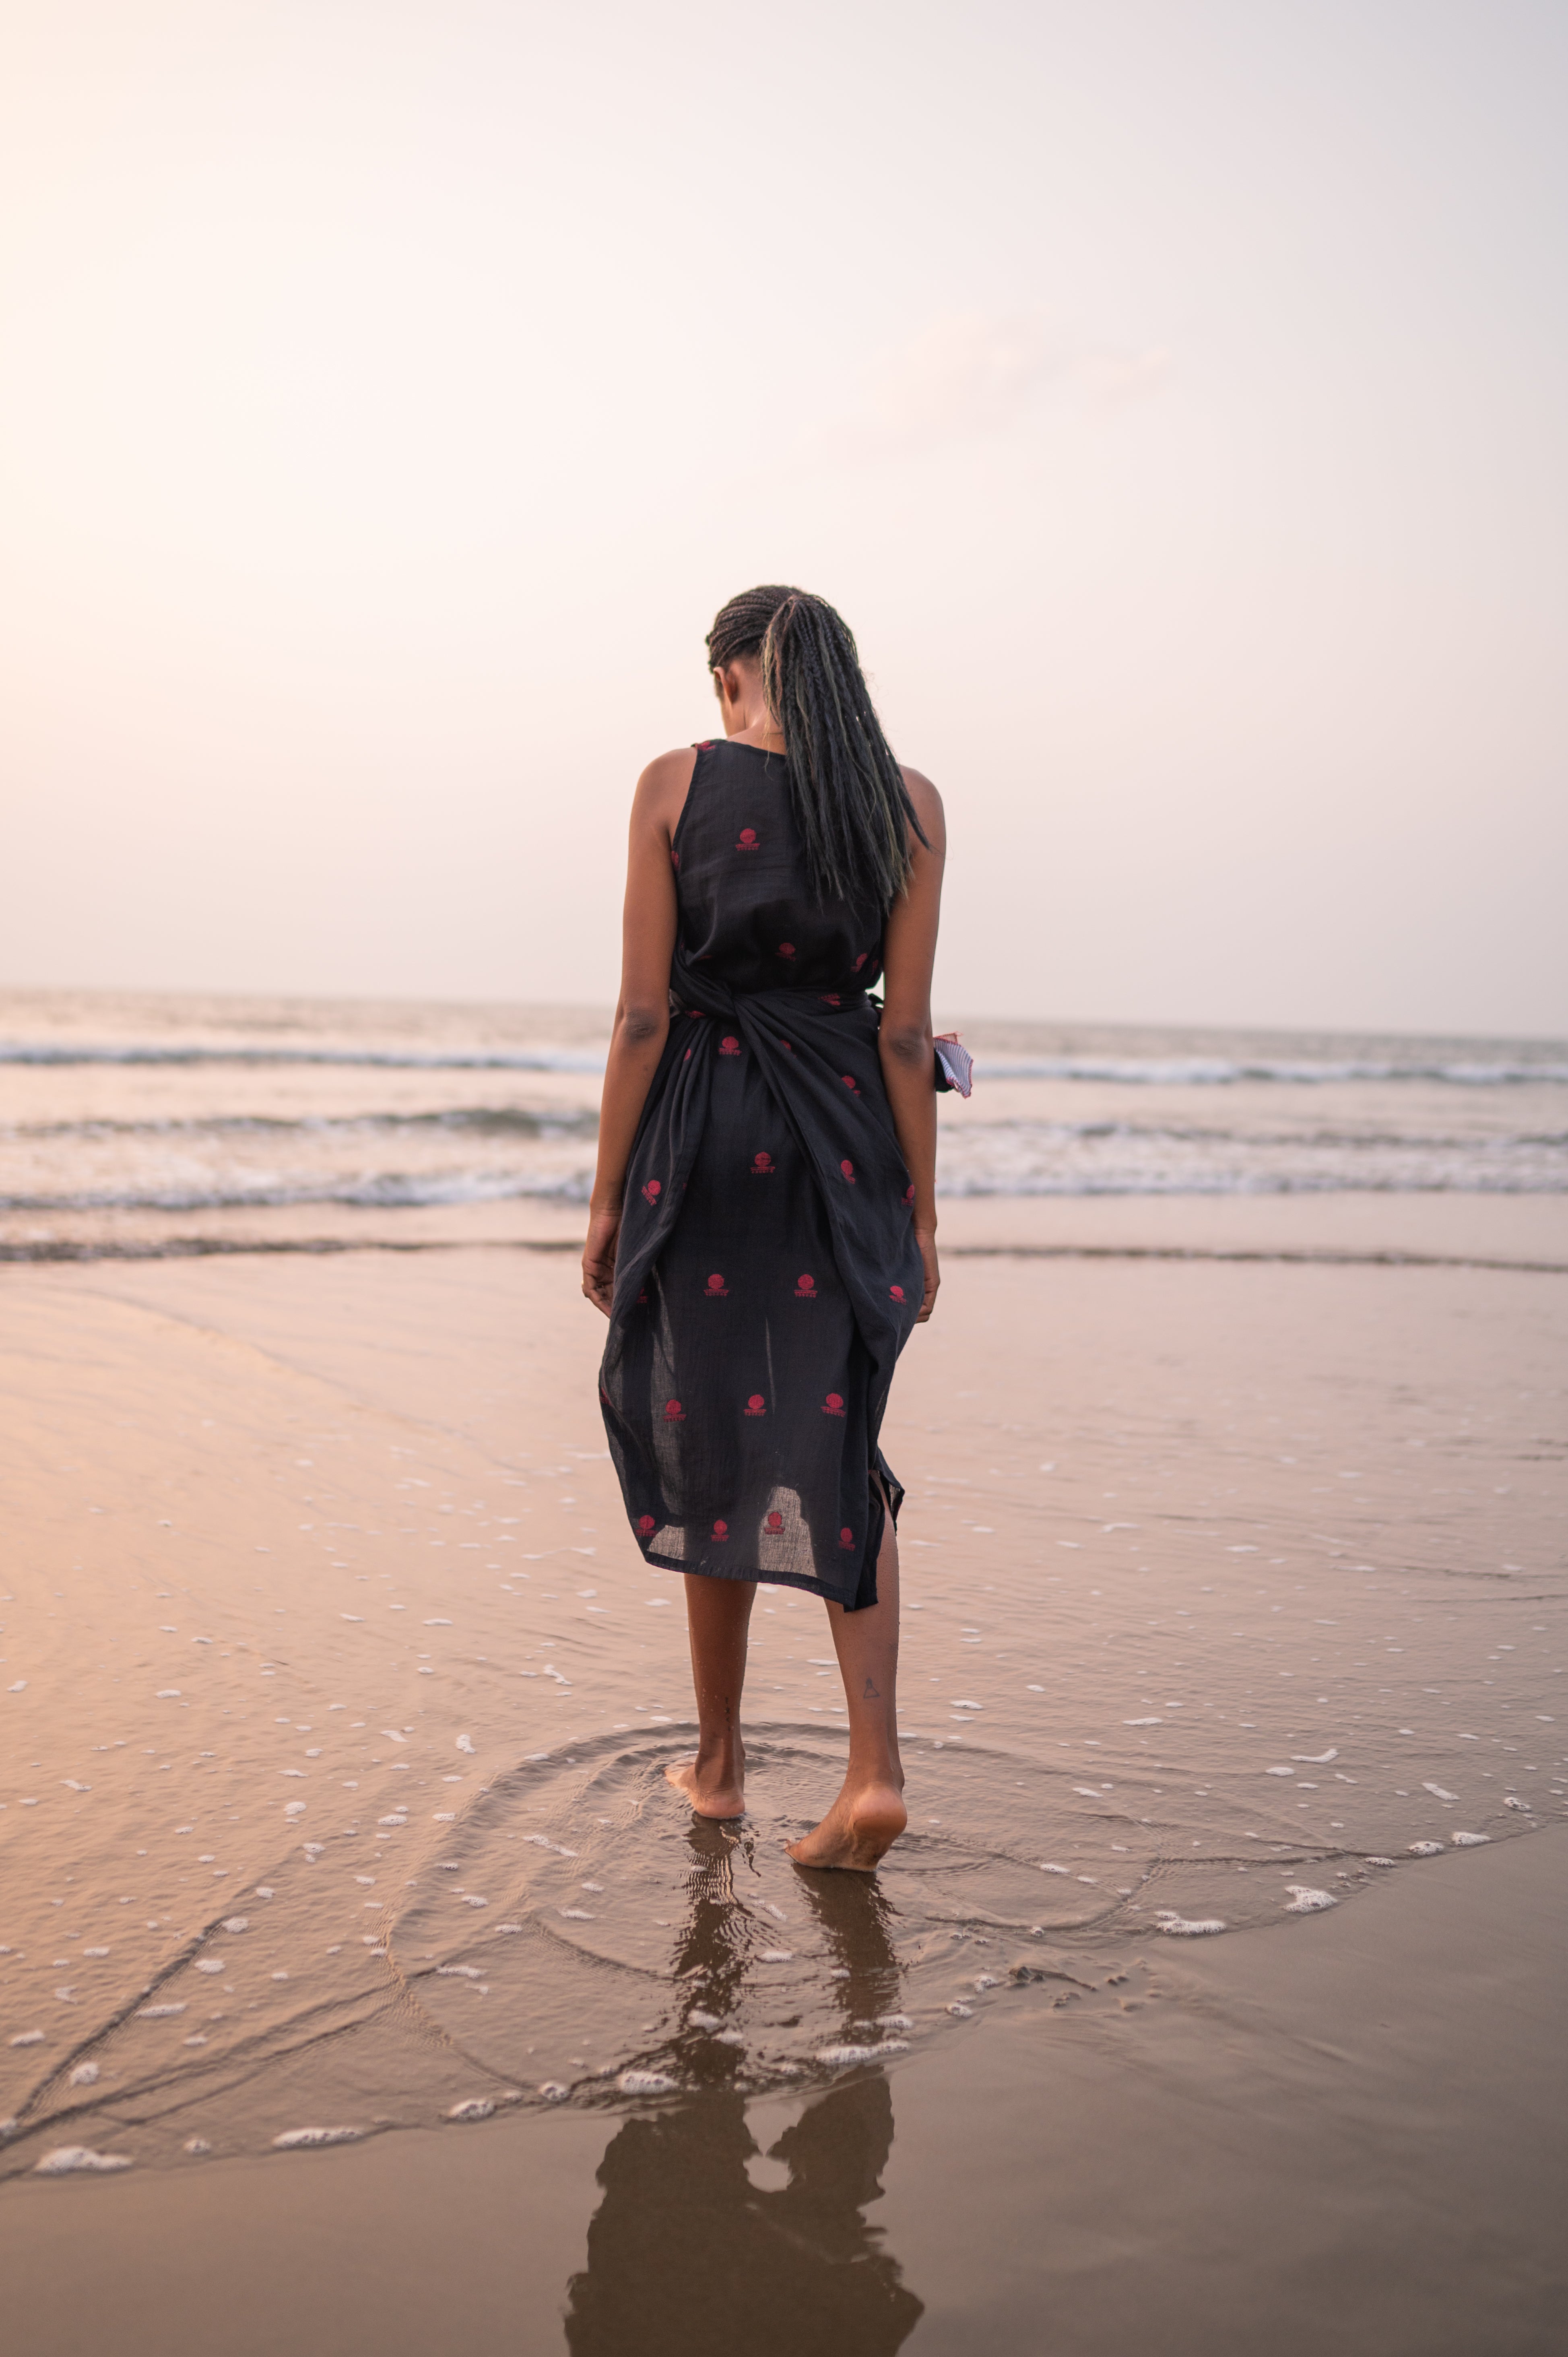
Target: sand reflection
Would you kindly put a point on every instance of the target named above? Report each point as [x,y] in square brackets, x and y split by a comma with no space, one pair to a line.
[708,2238]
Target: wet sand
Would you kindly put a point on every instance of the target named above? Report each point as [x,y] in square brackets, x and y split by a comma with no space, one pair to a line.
[1354,2140]
[333,1708]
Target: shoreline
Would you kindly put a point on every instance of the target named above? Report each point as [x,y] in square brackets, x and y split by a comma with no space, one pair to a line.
[1522,1231]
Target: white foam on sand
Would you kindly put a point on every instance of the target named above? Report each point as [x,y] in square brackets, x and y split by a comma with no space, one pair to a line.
[292,2139]
[645,2082]
[839,2058]
[1468,1841]
[67,2159]
[1426,1849]
[1179,1927]
[478,2107]
[1304,1901]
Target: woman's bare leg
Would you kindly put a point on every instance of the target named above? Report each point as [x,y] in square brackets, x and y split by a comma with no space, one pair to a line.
[869,1815]
[718,1612]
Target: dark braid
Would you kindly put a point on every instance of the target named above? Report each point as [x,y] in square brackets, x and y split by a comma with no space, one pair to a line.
[849,793]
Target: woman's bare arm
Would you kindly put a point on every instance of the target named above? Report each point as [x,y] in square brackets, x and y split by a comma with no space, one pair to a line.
[908,1063]
[642,1010]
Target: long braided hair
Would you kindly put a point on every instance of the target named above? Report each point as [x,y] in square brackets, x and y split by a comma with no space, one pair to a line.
[849,793]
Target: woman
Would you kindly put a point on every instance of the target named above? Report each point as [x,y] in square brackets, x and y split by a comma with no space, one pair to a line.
[763,1229]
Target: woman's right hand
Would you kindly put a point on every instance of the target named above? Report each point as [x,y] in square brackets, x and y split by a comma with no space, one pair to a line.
[600,1258]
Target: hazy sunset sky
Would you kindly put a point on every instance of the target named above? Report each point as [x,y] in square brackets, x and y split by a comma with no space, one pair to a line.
[1171,396]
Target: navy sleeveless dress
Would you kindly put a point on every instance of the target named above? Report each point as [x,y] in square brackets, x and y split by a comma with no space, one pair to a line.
[768,1274]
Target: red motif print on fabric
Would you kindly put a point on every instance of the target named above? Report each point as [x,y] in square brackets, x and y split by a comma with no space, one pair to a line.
[748,840]
[805,1289]
[897,1291]
[786,949]
[860,960]
[787,1047]
[716,1289]
[675,860]
[850,1082]
[757,1404]
[761,1166]
[834,1404]
[729,1045]
[848,1169]
[673,1412]
[908,1194]
[721,1532]
[774,1523]
[645,1523]
[832,998]
[653,1191]
[846,1536]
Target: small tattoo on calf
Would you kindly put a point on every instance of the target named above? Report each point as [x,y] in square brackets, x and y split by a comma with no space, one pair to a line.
[869,1692]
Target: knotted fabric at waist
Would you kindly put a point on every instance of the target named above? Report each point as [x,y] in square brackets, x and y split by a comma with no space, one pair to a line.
[706,996]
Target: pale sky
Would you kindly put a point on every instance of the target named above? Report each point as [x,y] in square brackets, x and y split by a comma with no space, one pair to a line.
[1169,392]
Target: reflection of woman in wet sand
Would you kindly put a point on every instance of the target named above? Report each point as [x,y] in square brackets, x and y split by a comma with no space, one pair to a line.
[763,1230]
[686,2254]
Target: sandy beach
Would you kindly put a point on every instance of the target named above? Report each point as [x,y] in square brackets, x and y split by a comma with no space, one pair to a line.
[335,1703]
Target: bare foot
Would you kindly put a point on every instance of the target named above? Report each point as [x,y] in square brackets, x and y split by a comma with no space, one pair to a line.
[857,1832]
[713,1792]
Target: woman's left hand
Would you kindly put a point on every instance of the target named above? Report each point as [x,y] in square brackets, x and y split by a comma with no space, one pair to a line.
[928,1244]
[600,1258]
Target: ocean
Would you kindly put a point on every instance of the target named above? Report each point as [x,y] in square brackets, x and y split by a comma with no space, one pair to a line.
[138,1124]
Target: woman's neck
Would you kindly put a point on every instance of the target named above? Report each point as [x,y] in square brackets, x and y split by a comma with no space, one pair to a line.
[746,718]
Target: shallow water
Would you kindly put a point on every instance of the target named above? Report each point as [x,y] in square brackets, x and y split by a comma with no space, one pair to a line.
[334,1699]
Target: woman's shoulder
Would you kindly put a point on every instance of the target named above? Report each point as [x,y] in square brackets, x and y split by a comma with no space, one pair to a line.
[928,804]
[675,767]
[662,788]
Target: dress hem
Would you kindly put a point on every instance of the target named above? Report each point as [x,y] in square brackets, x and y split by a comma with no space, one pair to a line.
[708,1570]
